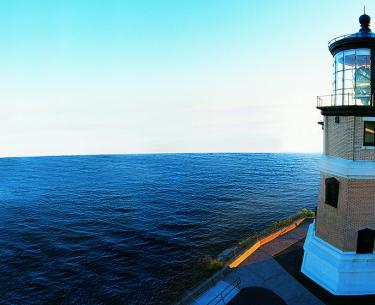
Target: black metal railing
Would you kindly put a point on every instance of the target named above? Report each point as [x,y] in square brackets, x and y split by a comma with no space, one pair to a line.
[220,298]
[355,35]
[200,288]
[348,99]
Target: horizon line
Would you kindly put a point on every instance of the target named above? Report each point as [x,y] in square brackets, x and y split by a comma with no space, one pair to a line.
[160,153]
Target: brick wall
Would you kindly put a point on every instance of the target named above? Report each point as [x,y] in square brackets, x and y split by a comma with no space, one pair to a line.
[345,139]
[355,211]
[338,137]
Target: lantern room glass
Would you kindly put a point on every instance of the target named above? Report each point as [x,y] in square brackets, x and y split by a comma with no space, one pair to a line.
[352,77]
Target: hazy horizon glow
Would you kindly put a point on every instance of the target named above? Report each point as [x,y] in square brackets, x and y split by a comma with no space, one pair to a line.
[101,77]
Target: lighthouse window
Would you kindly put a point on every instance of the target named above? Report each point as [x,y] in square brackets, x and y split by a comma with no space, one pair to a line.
[332,191]
[365,241]
[369,134]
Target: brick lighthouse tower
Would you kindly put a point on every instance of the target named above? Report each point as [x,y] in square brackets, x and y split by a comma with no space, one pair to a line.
[339,247]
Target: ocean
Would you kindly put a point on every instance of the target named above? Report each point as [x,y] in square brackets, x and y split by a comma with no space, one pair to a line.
[133,229]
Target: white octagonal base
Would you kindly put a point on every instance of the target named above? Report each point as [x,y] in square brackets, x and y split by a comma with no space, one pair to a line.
[341,273]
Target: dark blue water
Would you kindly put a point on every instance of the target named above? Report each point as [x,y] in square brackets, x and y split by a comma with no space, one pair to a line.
[131,229]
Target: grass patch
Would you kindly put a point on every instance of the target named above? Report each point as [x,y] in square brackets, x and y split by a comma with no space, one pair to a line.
[305,213]
[244,243]
[247,241]
[285,222]
[281,224]
[212,265]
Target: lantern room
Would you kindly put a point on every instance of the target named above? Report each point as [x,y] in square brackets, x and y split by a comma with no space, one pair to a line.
[353,68]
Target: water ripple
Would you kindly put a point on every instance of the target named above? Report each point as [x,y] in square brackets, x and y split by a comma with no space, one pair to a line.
[132,229]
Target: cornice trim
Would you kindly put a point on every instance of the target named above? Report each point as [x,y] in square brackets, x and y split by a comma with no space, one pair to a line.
[347,168]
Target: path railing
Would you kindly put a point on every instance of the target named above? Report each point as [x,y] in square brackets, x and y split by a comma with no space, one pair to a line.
[201,287]
[220,298]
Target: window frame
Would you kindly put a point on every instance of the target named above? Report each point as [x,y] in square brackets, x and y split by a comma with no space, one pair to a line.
[363,236]
[366,144]
[332,191]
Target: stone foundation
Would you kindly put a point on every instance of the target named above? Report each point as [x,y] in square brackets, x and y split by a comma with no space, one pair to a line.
[339,272]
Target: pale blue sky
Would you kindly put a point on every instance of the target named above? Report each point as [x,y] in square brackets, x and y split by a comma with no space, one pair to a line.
[148,76]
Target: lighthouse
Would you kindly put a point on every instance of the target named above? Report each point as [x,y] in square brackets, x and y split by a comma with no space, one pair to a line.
[339,246]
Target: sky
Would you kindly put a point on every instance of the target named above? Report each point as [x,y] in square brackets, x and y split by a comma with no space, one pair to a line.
[166,76]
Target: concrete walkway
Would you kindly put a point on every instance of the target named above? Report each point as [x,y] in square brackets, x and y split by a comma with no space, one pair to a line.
[262,270]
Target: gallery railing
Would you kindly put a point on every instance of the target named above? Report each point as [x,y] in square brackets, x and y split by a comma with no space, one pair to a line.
[348,99]
[356,35]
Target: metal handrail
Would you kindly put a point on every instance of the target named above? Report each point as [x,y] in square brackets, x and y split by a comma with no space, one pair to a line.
[355,35]
[235,284]
[347,99]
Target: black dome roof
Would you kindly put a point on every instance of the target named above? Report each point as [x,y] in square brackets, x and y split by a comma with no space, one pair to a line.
[365,20]
[365,38]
